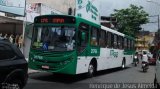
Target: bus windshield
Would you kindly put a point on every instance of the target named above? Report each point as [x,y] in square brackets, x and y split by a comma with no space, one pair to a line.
[55,38]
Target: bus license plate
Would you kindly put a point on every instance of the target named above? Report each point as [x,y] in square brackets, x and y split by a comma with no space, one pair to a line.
[45,67]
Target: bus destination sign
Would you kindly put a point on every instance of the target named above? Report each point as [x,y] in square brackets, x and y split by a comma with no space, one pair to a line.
[55,19]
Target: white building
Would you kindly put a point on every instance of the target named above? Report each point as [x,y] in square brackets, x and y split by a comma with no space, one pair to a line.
[60,5]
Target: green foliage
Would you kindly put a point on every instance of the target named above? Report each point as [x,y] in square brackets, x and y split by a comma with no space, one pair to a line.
[130,19]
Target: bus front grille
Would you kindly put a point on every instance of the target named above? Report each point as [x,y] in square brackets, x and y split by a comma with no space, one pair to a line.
[53,65]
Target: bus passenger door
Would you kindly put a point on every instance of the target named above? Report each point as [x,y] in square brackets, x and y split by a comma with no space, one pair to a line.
[82,39]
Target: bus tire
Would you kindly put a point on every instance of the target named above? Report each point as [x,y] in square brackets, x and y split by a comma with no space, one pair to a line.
[123,64]
[91,69]
[16,83]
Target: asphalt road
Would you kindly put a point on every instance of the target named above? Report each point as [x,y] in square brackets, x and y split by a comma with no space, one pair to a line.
[131,77]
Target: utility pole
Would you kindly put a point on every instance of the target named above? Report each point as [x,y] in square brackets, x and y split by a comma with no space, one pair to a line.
[157,20]
[158,31]
[158,27]
[143,39]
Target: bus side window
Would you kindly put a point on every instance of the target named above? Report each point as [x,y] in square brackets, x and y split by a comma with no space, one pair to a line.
[112,40]
[125,43]
[129,44]
[102,39]
[106,39]
[115,41]
[133,44]
[109,38]
[122,42]
[94,36]
[119,42]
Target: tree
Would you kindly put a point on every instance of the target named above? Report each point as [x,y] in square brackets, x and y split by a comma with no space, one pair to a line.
[130,19]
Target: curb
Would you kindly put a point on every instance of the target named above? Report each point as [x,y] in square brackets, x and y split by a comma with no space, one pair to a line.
[30,71]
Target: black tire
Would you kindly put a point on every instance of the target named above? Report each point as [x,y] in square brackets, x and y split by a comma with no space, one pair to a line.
[91,70]
[15,83]
[156,85]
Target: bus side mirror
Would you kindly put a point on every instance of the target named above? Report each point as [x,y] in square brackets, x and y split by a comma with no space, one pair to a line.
[29,30]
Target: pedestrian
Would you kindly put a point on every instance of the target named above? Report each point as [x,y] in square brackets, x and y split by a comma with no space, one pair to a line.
[145,58]
[20,41]
[16,40]
[11,38]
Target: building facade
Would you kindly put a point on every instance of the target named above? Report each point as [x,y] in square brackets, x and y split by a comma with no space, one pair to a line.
[60,5]
[144,40]
[110,22]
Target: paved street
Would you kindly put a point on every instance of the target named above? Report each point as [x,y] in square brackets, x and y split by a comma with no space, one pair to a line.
[43,80]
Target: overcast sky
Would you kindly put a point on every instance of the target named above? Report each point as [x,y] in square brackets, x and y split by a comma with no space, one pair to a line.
[153,8]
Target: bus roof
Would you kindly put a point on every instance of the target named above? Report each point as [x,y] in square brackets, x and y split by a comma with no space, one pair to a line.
[88,22]
[112,31]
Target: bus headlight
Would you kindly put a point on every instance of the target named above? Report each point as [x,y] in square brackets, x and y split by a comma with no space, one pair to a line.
[66,61]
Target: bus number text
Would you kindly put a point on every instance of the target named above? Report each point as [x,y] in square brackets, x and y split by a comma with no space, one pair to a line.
[94,51]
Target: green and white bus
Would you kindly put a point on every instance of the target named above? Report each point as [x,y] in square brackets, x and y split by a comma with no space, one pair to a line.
[72,45]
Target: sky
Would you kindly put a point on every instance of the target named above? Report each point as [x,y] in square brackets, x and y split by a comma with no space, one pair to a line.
[152,8]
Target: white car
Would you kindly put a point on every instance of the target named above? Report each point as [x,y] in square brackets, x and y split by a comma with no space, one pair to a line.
[157,74]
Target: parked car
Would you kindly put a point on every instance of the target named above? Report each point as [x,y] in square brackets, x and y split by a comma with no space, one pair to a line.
[157,72]
[13,66]
[152,61]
